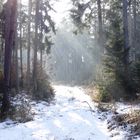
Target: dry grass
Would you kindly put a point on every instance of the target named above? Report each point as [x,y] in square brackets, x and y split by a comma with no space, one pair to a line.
[131,119]
[94,93]
[97,95]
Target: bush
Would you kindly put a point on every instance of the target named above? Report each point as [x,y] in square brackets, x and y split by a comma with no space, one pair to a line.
[104,95]
[20,109]
[21,113]
[112,83]
[44,90]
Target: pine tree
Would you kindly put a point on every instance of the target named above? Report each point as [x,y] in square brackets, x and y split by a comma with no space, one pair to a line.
[116,70]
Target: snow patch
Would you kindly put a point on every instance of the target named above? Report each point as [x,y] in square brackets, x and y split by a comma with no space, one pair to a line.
[69,118]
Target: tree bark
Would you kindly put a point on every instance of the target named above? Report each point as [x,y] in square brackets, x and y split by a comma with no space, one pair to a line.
[126,35]
[134,33]
[20,44]
[100,26]
[29,44]
[35,47]
[10,21]
[41,39]
[16,57]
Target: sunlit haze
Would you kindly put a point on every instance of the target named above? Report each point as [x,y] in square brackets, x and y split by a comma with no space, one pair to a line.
[61,7]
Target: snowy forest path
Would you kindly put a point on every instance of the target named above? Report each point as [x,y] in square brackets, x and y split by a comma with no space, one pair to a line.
[69,117]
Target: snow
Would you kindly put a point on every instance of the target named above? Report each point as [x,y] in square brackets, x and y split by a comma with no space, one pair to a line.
[68,118]
[125,108]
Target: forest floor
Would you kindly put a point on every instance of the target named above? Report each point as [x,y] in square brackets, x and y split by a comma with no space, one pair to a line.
[71,116]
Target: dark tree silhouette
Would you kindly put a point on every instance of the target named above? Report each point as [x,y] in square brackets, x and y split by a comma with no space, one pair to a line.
[10,23]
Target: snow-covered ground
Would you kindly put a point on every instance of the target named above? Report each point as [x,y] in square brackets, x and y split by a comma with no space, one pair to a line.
[68,118]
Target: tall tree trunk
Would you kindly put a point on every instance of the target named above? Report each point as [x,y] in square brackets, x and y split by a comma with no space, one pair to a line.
[29,43]
[126,36]
[35,47]
[10,21]
[100,26]
[20,44]
[16,58]
[17,65]
[134,34]
[129,89]
[103,13]
[41,40]
[41,58]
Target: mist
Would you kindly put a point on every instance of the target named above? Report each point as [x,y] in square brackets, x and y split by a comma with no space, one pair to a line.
[73,58]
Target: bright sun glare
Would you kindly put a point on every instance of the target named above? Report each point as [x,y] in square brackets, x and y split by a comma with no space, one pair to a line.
[61,7]
[24,1]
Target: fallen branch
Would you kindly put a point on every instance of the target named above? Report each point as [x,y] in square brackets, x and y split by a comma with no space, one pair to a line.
[91,109]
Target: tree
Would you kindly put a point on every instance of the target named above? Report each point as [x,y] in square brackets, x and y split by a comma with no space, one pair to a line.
[10,23]
[21,42]
[16,56]
[126,35]
[36,45]
[29,43]
[100,30]
[134,13]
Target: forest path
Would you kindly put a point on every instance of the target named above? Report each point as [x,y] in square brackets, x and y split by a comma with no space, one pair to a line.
[68,118]
[73,117]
